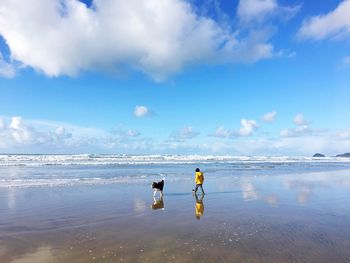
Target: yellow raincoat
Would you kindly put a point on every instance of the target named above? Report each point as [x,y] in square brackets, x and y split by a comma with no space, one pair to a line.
[199,178]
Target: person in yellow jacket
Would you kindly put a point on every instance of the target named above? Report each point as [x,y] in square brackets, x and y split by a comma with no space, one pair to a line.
[199,180]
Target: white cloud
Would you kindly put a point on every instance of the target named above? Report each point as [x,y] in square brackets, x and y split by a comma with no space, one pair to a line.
[247,127]
[7,70]
[327,144]
[141,111]
[157,37]
[250,9]
[299,119]
[19,134]
[221,132]
[60,131]
[269,116]
[32,136]
[183,134]
[257,10]
[283,146]
[335,24]
[125,133]
[301,129]
[2,124]
[345,134]
[297,132]
[17,123]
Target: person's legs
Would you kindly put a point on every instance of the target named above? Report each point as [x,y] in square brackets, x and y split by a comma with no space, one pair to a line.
[195,190]
[201,188]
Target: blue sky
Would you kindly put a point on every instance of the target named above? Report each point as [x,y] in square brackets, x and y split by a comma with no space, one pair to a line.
[248,77]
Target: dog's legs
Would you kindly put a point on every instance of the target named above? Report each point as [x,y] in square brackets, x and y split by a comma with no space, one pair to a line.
[161,193]
[154,192]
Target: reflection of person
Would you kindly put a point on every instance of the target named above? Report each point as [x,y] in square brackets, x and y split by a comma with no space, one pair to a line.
[199,208]
[158,203]
[199,180]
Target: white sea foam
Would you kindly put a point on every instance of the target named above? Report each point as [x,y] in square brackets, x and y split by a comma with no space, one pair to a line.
[54,182]
[101,160]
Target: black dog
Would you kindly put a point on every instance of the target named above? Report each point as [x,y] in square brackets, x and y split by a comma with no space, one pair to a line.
[158,186]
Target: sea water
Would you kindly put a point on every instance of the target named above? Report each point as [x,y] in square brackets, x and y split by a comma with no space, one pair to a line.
[100,208]
[70,170]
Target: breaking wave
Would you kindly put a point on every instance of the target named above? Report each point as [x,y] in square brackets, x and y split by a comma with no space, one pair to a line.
[100,160]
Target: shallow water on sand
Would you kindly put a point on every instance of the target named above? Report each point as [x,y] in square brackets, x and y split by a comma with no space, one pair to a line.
[270,217]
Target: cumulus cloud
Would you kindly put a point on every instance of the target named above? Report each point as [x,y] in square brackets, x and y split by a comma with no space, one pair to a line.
[269,116]
[335,24]
[18,134]
[142,111]
[299,119]
[157,37]
[303,128]
[250,10]
[31,136]
[184,134]
[247,128]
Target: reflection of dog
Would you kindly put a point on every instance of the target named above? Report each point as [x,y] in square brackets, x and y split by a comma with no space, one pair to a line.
[158,186]
[158,204]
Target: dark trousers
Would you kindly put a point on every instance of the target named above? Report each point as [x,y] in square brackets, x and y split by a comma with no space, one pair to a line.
[199,185]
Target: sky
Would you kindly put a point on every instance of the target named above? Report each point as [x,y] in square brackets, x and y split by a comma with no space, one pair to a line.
[211,77]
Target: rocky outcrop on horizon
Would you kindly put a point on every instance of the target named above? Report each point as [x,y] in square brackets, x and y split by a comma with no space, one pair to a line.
[343,155]
[319,155]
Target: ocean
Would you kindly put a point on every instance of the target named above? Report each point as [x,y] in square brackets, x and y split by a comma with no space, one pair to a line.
[86,169]
[100,208]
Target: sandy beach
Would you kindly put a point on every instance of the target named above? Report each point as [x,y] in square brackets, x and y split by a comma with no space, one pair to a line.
[279,218]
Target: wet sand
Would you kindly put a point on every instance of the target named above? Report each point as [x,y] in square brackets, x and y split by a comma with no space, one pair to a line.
[280,218]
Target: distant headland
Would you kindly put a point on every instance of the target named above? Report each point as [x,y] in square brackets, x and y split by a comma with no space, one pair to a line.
[319,155]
